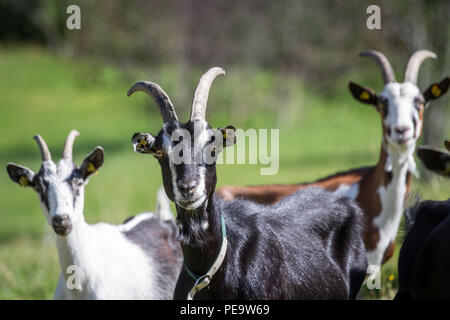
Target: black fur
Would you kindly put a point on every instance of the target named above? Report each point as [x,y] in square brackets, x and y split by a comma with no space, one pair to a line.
[307,246]
[424,261]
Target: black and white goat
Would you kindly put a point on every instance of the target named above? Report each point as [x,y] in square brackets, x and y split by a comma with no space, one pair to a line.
[307,246]
[424,261]
[139,259]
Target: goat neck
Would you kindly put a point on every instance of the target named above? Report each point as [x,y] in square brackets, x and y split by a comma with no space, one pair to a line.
[200,234]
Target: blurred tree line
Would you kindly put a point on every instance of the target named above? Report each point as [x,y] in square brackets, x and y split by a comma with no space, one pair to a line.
[316,40]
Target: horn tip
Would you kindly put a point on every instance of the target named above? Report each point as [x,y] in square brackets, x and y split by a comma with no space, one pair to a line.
[75,132]
[370,53]
[429,53]
[133,88]
[140,86]
[45,152]
[218,70]
[222,70]
[130,91]
[366,53]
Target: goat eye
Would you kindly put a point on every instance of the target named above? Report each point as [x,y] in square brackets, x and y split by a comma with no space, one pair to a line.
[78,182]
[158,153]
[383,106]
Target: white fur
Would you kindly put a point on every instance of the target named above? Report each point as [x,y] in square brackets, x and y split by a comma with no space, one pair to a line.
[163,211]
[135,221]
[392,199]
[110,266]
[348,191]
[400,159]
[401,110]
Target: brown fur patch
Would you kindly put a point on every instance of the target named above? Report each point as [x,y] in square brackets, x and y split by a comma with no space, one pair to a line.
[271,194]
[389,252]
[369,179]
[421,121]
[371,236]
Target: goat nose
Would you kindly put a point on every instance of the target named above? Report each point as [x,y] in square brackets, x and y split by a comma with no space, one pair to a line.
[186,186]
[401,129]
[61,219]
[61,224]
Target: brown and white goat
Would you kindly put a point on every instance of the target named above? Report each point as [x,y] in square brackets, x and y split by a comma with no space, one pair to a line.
[380,190]
[424,261]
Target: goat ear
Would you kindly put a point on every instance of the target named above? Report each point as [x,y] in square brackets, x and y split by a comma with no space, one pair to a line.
[363,94]
[436,90]
[435,160]
[92,162]
[229,136]
[143,142]
[21,175]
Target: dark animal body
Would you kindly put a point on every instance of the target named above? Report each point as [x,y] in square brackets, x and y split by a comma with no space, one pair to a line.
[368,179]
[424,261]
[307,246]
[304,247]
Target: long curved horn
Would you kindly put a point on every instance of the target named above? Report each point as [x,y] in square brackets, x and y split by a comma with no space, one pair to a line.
[161,98]
[201,93]
[68,145]
[383,62]
[413,66]
[45,153]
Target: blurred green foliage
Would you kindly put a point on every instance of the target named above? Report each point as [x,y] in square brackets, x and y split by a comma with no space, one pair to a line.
[316,41]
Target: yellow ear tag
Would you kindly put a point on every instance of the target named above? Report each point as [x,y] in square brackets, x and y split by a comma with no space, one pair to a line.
[436,91]
[142,143]
[224,135]
[364,95]
[23,181]
[91,168]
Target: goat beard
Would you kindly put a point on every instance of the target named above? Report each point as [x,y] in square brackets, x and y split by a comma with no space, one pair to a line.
[194,227]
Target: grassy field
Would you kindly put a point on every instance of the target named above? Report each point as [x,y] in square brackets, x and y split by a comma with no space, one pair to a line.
[49,95]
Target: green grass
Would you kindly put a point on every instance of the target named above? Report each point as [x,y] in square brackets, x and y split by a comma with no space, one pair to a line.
[45,94]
